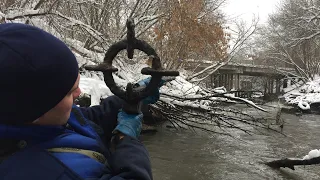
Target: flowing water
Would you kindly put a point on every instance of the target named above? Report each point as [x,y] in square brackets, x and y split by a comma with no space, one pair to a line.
[184,155]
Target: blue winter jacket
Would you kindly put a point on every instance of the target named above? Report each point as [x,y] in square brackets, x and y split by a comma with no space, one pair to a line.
[34,160]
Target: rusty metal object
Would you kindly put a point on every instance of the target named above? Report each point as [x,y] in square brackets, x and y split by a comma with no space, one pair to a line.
[132,95]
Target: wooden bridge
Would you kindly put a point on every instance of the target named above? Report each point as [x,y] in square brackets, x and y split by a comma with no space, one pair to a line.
[229,76]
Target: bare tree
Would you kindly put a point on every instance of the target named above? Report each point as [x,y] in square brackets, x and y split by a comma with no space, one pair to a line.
[239,35]
[88,27]
[293,37]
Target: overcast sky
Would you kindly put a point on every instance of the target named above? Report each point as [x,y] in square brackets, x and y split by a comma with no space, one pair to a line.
[246,8]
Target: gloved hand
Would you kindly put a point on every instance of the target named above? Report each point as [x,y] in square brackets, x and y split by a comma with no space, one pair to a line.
[129,124]
[155,96]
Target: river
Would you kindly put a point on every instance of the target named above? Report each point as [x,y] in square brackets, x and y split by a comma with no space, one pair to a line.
[185,155]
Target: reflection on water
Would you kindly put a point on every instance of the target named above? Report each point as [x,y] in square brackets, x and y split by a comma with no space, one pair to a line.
[186,156]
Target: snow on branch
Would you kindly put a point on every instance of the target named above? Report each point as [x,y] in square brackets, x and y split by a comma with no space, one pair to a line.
[17,14]
[317,33]
[152,22]
[94,33]
[208,117]
[214,66]
[245,101]
[24,13]
[209,98]
[190,106]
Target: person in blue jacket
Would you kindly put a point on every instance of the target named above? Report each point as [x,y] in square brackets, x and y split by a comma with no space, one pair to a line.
[43,135]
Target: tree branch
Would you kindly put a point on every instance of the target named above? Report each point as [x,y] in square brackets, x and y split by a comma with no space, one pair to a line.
[291,162]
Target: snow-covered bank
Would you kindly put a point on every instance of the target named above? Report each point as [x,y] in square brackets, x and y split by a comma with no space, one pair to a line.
[303,95]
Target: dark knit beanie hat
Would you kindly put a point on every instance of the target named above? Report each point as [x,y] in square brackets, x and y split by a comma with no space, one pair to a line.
[37,70]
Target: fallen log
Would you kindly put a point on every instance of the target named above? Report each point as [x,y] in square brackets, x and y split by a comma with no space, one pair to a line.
[291,162]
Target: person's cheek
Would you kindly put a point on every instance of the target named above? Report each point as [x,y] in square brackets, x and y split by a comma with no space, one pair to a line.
[76,93]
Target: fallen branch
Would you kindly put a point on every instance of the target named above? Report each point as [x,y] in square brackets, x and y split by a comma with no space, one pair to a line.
[250,103]
[224,95]
[291,162]
[208,118]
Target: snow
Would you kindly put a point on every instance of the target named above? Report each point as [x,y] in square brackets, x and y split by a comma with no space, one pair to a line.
[303,105]
[75,44]
[92,83]
[180,87]
[306,157]
[184,93]
[22,12]
[94,87]
[312,154]
[303,94]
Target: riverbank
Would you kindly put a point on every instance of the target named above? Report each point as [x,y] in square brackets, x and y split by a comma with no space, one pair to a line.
[304,98]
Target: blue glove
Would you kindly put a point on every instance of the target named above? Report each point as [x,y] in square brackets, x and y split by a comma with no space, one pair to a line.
[155,96]
[129,124]
[145,82]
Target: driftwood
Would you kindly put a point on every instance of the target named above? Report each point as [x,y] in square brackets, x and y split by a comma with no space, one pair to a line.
[291,162]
